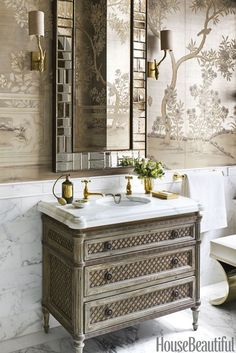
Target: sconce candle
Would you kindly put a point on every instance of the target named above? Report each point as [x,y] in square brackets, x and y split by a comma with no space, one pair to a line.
[36,27]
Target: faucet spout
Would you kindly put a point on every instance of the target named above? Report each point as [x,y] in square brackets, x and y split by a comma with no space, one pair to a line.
[95,193]
[87,193]
[116,197]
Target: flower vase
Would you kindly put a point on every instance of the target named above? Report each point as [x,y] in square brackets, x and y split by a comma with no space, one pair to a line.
[148,185]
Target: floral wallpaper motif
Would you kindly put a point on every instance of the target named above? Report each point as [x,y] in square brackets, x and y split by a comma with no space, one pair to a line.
[25,95]
[20,80]
[21,8]
[191,108]
[193,122]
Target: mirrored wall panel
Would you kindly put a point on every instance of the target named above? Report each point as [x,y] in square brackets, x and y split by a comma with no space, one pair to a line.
[102,86]
[99,83]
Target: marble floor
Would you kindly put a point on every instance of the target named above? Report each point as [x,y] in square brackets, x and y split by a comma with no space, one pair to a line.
[213,322]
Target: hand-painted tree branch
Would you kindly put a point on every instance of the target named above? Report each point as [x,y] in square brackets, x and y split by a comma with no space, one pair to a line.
[176,65]
[97,70]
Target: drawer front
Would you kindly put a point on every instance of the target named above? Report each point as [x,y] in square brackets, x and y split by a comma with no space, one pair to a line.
[138,240]
[137,304]
[142,268]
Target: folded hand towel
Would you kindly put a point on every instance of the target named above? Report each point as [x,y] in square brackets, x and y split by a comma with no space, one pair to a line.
[208,189]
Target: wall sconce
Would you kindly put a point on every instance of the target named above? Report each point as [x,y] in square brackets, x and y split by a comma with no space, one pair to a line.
[36,28]
[166,44]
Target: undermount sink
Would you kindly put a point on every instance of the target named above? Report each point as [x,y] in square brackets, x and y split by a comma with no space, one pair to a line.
[129,201]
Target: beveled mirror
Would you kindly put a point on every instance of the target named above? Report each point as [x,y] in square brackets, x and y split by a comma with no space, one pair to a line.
[99,83]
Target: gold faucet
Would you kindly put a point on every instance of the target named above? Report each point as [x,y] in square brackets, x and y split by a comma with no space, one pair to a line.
[86,192]
[128,186]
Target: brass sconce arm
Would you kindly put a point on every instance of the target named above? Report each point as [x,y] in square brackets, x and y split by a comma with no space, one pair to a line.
[153,66]
[42,55]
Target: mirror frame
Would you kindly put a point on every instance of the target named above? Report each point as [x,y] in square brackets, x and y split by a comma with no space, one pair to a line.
[64,159]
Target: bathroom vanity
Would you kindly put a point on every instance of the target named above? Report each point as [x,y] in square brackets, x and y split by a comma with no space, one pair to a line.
[108,267]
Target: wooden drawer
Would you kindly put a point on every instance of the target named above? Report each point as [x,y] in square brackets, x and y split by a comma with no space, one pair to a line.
[139,269]
[136,304]
[149,237]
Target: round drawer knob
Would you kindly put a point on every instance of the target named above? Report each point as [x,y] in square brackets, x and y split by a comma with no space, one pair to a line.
[175,293]
[175,261]
[107,245]
[108,312]
[174,234]
[108,276]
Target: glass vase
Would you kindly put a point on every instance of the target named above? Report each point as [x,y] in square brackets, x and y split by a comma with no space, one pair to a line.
[148,185]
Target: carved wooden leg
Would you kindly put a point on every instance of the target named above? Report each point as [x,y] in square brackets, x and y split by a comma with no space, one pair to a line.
[45,319]
[79,344]
[195,312]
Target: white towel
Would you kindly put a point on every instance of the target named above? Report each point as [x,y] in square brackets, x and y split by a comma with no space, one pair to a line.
[208,189]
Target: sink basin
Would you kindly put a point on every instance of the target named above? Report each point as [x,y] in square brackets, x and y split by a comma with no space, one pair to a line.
[129,201]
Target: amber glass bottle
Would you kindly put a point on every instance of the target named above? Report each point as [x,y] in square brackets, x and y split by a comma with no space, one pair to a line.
[67,190]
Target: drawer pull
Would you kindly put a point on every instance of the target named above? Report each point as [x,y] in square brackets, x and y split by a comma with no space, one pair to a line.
[107,246]
[174,234]
[175,261]
[108,276]
[108,312]
[175,293]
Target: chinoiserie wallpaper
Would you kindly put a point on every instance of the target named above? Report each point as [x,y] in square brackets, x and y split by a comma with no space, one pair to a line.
[25,96]
[192,107]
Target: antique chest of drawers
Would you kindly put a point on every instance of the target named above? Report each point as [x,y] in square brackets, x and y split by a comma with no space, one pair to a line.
[101,279]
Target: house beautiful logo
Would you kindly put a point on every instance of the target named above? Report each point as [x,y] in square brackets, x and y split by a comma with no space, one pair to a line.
[218,344]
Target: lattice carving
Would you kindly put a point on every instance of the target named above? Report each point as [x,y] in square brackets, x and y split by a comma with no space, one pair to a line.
[60,240]
[141,239]
[136,269]
[139,303]
[61,286]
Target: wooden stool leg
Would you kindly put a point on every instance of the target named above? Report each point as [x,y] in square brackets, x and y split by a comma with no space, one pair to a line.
[230,280]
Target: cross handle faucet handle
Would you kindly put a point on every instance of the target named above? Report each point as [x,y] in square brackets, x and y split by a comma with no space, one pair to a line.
[86,181]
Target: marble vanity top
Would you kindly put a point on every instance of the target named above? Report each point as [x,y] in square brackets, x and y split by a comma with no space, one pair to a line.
[96,214]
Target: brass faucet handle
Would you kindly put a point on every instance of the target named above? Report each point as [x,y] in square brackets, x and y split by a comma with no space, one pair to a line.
[86,181]
[128,186]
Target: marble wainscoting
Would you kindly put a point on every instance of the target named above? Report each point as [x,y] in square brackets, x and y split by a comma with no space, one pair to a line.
[21,254]
[20,251]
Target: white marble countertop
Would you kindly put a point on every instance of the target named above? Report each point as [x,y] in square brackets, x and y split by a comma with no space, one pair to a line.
[97,214]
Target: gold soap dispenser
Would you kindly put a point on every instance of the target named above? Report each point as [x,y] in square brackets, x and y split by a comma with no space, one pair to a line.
[67,190]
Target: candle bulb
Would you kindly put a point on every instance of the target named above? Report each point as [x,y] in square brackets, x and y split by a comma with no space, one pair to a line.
[153,47]
[36,23]
[166,40]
